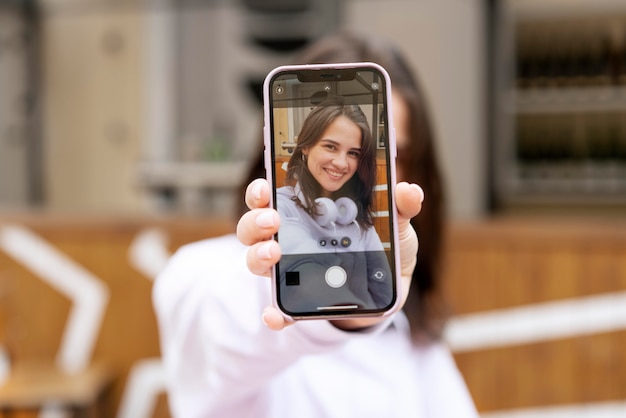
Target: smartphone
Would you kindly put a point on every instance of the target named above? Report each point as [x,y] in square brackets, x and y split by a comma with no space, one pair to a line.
[330,159]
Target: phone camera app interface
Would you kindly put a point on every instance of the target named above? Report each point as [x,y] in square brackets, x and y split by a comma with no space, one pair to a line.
[329,143]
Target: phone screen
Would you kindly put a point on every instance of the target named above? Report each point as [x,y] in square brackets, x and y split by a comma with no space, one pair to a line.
[332,170]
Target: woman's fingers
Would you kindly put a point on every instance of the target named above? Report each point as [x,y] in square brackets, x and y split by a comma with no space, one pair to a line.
[409,198]
[256,228]
[262,256]
[257,225]
[258,194]
[273,319]
[260,223]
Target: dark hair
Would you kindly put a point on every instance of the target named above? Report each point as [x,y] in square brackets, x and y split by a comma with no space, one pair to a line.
[360,187]
[424,306]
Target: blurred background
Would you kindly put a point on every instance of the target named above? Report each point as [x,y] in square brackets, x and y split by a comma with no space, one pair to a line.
[126,127]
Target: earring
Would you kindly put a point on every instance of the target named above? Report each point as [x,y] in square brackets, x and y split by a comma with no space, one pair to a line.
[303,157]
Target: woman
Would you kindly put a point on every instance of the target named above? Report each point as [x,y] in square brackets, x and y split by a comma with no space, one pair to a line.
[326,212]
[221,361]
[336,136]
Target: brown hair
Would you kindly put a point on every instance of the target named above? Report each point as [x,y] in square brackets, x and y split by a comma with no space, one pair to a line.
[424,306]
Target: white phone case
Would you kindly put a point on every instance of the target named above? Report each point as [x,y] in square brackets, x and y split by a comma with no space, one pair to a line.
[333,286]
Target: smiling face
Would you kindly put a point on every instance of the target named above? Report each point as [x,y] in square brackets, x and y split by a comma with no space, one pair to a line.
[334,159]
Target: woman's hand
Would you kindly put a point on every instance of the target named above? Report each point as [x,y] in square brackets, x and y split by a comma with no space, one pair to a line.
[409,199]
[257,227]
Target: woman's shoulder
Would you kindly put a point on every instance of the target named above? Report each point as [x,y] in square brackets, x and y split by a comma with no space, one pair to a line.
[286,205]
[209,253]
[285,192]
[227,242]
[203,266]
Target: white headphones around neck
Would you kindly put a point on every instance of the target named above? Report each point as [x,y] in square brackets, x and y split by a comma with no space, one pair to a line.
[342,211]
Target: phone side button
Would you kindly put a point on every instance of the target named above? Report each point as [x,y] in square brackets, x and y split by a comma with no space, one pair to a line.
[336,276]
[266,151]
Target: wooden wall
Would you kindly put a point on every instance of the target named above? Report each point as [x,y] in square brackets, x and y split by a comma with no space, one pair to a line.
[33,315]
[513,269]
[492,267]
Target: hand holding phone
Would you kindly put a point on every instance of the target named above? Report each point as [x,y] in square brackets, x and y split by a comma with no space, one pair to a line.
[261,222]
[330,159]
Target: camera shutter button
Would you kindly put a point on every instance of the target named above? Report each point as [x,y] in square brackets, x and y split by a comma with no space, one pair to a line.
[335,276]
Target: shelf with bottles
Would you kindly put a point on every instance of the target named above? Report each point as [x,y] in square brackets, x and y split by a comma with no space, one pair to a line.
[575,153]
[570,64]
[571,53]
[567,108]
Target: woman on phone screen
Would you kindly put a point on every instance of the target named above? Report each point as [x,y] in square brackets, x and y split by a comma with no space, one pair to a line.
[326,211]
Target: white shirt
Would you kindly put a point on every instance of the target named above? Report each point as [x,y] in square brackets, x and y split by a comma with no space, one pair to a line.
[221,361]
